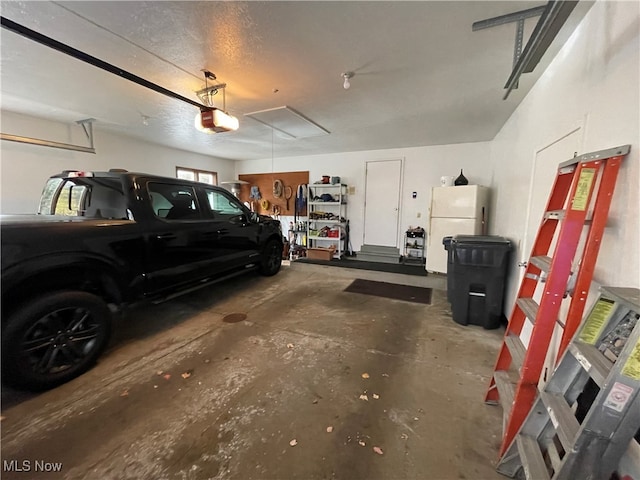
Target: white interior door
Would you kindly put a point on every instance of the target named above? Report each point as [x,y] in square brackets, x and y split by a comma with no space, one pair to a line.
[544,172]
[382,203]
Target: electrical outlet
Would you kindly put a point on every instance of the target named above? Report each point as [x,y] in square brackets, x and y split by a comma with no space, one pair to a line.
[352,190]
[418,215]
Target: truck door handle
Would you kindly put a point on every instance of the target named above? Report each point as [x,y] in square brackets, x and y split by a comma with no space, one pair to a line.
[166,236]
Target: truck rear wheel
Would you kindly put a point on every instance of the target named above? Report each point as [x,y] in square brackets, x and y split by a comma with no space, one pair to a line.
[53,339]
[271,258]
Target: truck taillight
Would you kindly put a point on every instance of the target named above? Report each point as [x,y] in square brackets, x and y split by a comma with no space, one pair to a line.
[80,174]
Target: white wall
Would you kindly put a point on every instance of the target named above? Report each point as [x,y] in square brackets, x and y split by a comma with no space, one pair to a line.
[422,169]
[592,84]
[24,168]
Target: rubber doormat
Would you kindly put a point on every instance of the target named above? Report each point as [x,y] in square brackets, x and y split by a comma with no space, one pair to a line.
[408,293]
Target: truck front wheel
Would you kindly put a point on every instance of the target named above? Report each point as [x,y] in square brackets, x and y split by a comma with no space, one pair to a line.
[53,339]
[271,258]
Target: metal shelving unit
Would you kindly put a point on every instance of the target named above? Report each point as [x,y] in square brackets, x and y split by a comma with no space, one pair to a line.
[327,217]
[414,246]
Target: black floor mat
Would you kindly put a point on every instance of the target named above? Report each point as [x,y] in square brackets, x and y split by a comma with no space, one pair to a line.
[417,269]
[407,293]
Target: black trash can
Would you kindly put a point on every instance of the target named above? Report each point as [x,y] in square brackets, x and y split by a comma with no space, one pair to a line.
[476,271]
[446,241]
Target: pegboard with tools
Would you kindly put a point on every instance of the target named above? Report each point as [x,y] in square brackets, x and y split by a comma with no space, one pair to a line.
[274,193]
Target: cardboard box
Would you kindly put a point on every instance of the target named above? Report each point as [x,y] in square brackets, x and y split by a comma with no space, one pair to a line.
[321,253]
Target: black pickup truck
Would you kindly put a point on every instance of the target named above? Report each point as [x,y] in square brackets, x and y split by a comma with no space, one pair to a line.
[102,241]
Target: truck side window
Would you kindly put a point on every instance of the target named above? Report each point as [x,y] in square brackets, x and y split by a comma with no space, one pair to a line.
[105,201]
[222,206]
[63,197]
[87,197]
[174,202]
[48,196]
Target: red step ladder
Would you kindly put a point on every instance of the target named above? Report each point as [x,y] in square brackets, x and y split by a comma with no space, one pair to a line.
[582,184]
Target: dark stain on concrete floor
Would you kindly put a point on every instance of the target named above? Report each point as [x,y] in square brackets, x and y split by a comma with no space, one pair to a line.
[180,394]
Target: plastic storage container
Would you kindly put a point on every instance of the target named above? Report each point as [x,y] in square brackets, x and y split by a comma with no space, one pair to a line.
[476,271]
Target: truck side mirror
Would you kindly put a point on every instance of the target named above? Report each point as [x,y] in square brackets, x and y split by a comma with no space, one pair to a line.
[241,219]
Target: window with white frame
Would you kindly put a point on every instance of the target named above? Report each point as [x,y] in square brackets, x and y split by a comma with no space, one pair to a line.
[196,175]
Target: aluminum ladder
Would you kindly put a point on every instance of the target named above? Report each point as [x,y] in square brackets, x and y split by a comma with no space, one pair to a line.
[583,185]
[556,440]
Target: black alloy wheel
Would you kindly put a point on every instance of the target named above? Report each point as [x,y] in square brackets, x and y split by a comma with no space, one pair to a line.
[54,339]
[271,258]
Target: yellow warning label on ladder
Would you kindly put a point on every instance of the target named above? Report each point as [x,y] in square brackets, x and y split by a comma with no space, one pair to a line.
[632,367]
[581,198]
[597,319]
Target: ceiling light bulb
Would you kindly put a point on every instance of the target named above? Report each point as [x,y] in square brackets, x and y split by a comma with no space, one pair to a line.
[346,77]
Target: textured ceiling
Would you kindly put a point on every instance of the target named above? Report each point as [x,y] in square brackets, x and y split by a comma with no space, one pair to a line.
[422,77]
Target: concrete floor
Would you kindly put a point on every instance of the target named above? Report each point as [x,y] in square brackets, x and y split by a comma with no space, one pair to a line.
[290,370]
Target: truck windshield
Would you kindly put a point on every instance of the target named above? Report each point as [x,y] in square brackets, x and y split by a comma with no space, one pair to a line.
[83,197]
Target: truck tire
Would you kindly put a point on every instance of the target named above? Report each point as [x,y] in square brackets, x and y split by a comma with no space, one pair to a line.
[53,339]
[271,258]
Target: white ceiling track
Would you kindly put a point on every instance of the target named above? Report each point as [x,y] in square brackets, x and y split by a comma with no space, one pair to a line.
[553,16]
[86,124]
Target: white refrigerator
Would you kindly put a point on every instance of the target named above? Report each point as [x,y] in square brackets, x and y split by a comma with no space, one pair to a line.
[461,210]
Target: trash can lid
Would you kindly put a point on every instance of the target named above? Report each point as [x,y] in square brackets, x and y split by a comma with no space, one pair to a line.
[483,240]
